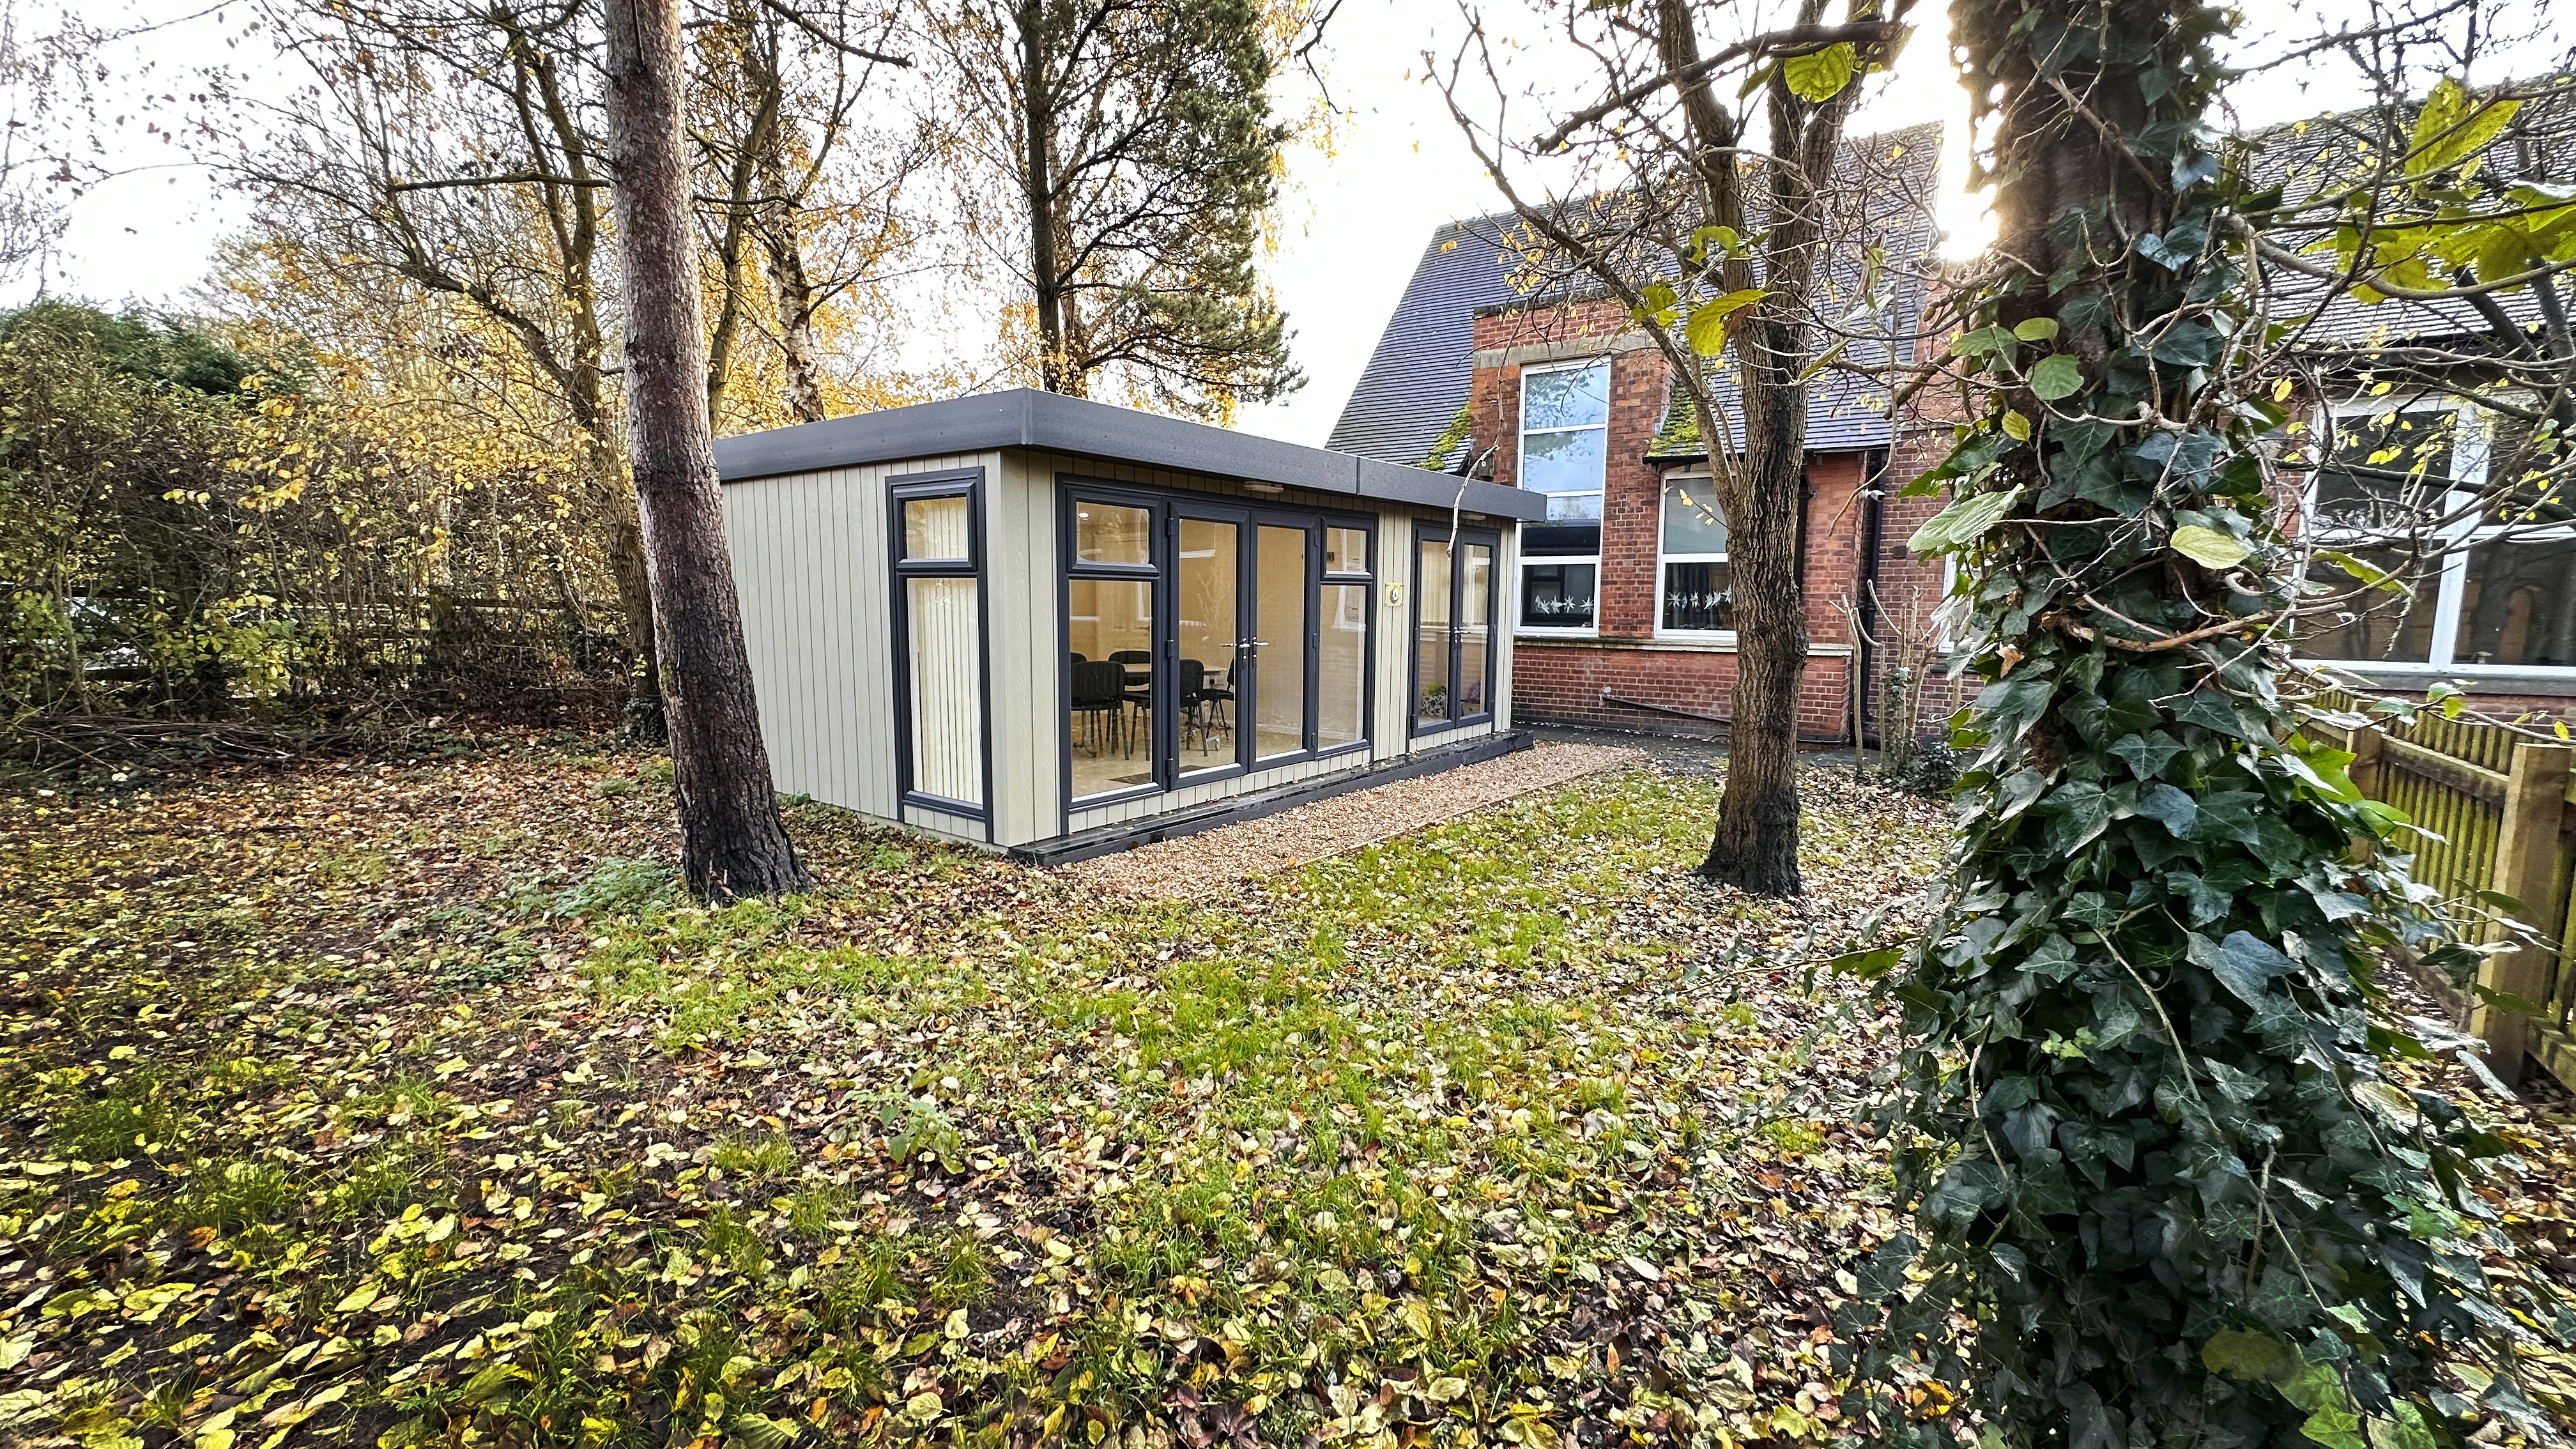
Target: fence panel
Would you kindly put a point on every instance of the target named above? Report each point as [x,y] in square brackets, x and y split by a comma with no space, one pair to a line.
[2492,808]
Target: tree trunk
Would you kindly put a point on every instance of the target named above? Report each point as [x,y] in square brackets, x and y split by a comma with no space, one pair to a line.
[634,580]
[1037,182]
[1755,846]
[732,841]
[1762,493]
[790,289]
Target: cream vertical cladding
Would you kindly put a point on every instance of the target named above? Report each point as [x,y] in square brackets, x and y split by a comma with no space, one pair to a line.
[870,705]
[1507,603]
[1394,642]
[1012,618]
[752,527]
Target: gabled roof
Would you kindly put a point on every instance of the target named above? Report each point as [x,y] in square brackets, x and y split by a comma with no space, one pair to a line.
[1023,418]
[1420,374]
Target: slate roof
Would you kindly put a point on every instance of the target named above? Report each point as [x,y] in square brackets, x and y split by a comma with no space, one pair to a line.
[2303,157]
[1419,376]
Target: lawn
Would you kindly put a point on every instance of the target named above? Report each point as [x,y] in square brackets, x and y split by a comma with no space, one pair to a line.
[407,1103]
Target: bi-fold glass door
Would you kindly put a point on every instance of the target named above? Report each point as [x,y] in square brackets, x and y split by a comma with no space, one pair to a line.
[1238,636]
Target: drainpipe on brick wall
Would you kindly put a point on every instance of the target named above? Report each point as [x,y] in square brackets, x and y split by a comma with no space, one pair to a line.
[1873,532]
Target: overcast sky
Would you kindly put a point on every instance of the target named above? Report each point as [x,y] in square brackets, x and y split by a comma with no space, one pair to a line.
[1355,220]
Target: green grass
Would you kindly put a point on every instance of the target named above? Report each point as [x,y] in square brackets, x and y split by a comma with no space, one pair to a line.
[943,1149]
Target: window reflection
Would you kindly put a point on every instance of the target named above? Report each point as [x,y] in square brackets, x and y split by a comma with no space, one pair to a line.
[2519,605]
[1110,533]
[1342,667]
[1109,629]
[1431,644]
[934,529]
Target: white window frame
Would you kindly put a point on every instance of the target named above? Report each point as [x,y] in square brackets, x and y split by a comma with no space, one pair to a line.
[2468,478]
[1520,590]
[1520,458]
[1663,561]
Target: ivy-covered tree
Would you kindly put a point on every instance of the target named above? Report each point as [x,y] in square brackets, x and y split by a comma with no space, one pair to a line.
[2144,1114]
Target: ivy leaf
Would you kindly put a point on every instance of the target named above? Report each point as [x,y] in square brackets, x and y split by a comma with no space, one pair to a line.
[2406,1430]
[2146,755]
[2187,344]
[2208,547]
[1821,75]
[2057,376]
[1984,342]
[2035,329]
[1965,521]
[2244,1354]
[2243,963]
[2167,806]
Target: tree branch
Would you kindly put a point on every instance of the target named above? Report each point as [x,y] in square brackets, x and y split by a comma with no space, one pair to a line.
[1797,39]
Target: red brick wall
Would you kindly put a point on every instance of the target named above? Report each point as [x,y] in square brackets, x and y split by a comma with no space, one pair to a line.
[1563,680]
[1910,588]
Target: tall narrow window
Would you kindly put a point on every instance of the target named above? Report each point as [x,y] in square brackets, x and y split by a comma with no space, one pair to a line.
[1565,426]
[1565,417]
[939,616]
[1112,638]
[1342,644]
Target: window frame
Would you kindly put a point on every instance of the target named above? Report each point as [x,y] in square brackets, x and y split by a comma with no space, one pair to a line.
[1521,436]
[1663,562]
[966,483]
[1521,586]
[1164,509]
[1156,572]
[1423,533]
[2471,454]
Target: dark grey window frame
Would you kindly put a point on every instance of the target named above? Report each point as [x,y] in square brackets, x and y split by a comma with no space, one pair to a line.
[966,483]
[1167,506]
[1494,630]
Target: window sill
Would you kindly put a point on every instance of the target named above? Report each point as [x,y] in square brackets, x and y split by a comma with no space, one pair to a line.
[1663,643]
[2546,679]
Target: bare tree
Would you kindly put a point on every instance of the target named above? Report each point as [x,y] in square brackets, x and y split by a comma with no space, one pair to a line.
[802,182]
[732,841]
[455,147]
[1711,223]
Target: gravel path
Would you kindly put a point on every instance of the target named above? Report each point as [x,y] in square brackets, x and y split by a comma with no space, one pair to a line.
[1195,864]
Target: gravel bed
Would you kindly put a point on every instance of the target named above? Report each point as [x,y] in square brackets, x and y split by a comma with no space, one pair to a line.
[1196,864]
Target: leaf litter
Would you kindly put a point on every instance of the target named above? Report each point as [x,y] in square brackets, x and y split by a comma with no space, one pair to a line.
[407,1104]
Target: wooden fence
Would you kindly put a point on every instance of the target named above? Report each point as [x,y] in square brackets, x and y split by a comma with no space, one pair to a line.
[2498,812]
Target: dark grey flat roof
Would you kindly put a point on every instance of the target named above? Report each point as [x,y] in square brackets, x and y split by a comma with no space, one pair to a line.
[1024,418]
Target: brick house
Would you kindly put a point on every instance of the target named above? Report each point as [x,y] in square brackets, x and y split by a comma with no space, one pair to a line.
[1621,613]
[2400,429]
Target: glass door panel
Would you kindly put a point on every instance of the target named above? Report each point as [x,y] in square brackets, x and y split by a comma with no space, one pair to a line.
[1210,622]
[1342,659]
[1475,627]
[1108,625]
[1431,656]
[1279,639]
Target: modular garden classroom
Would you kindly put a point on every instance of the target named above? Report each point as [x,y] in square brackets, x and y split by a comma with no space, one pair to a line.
[1061,628]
